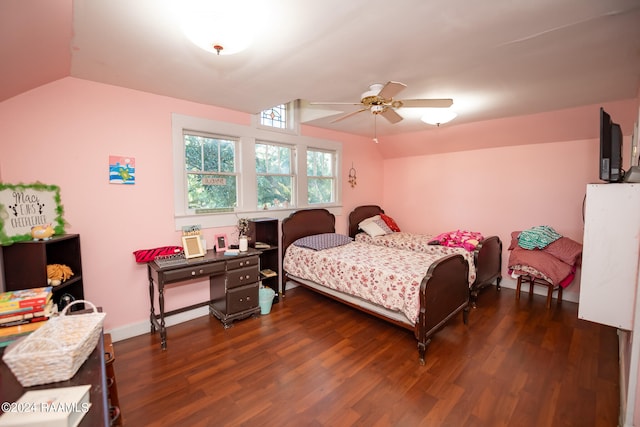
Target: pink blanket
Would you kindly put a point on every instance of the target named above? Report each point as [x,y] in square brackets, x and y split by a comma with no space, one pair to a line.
[459,239]
[557,261]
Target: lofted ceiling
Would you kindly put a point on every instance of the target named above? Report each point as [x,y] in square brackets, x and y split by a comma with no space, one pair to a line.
[495,58]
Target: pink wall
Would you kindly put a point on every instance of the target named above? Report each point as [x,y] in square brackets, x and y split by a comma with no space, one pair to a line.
[63,133]
[494,177]
[497,189]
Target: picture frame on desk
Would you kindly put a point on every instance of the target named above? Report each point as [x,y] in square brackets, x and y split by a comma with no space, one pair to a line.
[221,242]
[192,246]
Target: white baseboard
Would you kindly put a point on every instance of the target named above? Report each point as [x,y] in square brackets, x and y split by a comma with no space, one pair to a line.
[141,328]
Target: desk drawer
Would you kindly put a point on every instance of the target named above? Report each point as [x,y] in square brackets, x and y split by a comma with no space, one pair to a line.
[191,272]
[242,276]
[242,298]
[243,262]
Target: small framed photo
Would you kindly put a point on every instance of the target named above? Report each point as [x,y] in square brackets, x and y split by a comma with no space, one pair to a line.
[192,246]
[221,242]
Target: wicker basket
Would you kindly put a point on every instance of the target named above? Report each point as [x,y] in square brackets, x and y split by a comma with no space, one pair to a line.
[55,351]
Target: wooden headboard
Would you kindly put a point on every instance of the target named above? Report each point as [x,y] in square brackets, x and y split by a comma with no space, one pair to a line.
[306,222]
[360,213]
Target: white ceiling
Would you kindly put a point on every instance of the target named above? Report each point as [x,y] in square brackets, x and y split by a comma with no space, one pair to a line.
[495,58]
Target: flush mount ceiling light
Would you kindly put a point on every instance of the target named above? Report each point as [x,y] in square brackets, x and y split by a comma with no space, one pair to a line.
[220,27]
[438,116]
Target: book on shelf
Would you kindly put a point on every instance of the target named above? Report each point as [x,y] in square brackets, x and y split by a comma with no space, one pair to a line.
[267,272]
[261,245]
[19,329]
[14,300]
[23,321]
[13,330]
[52,407]
[27,313]
[13,333]
[231,252]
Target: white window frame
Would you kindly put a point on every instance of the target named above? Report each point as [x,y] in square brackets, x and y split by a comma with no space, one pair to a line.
[247,185]
[236,169]
[292,128]
[333,177]
[293,173]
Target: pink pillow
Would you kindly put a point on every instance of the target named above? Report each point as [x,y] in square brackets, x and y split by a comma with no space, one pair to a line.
[566,250]
[514,240]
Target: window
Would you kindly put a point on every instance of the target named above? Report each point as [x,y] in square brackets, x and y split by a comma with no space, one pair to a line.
[281,118]
[274,173]
[320,176]
[210,167]
[275,117]
[223,171]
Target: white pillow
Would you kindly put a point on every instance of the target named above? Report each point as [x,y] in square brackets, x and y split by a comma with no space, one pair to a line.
[373,218]
[375,227]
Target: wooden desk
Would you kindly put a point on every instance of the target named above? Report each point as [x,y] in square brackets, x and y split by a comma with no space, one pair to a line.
[233,287]
[91,372]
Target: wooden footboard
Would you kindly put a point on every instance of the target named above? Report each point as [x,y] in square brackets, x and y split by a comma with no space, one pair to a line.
[488,261]
[444,292]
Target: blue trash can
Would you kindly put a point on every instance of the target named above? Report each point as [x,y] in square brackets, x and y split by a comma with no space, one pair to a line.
[266,299]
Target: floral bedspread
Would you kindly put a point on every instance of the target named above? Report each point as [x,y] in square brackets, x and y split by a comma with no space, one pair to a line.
[418,243]
[389,278]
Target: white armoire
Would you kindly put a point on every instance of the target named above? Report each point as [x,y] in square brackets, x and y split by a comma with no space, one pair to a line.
[610,276]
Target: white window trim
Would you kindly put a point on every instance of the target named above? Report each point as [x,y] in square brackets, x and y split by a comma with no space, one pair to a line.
[334,177]
[247,197]
[293,127]
[294,167]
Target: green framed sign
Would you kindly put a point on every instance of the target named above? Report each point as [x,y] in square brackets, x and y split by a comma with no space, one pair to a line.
[23,206]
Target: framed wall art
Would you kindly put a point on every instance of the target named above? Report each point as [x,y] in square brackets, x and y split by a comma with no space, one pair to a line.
[122,170]
[24,206]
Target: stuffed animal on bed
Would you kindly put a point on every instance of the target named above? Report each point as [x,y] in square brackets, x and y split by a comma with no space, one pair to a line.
[58,273]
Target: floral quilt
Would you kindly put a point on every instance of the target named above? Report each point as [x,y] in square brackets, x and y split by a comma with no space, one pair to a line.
[419,243]
[389,278]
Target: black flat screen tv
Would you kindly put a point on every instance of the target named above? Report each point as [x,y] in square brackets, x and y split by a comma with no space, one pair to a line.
[610,149]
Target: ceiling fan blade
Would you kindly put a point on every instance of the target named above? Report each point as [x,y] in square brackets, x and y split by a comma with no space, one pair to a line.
[391,115]
[335,103]
[425,103]
[391,89]
[345,116]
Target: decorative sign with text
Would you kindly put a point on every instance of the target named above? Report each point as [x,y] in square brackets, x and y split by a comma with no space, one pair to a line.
[25,206]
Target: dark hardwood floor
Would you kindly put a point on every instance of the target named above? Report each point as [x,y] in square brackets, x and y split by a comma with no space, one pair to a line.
[314,362]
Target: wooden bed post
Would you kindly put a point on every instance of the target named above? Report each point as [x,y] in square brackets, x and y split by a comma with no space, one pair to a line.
[444,292]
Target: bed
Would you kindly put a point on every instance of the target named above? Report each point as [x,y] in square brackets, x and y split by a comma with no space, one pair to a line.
[432,290]
[485,261]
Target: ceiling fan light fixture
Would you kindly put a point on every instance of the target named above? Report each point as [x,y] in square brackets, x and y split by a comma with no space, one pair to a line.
[438,116]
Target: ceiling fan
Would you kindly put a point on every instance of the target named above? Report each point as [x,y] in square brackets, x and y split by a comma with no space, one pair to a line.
[379,100]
